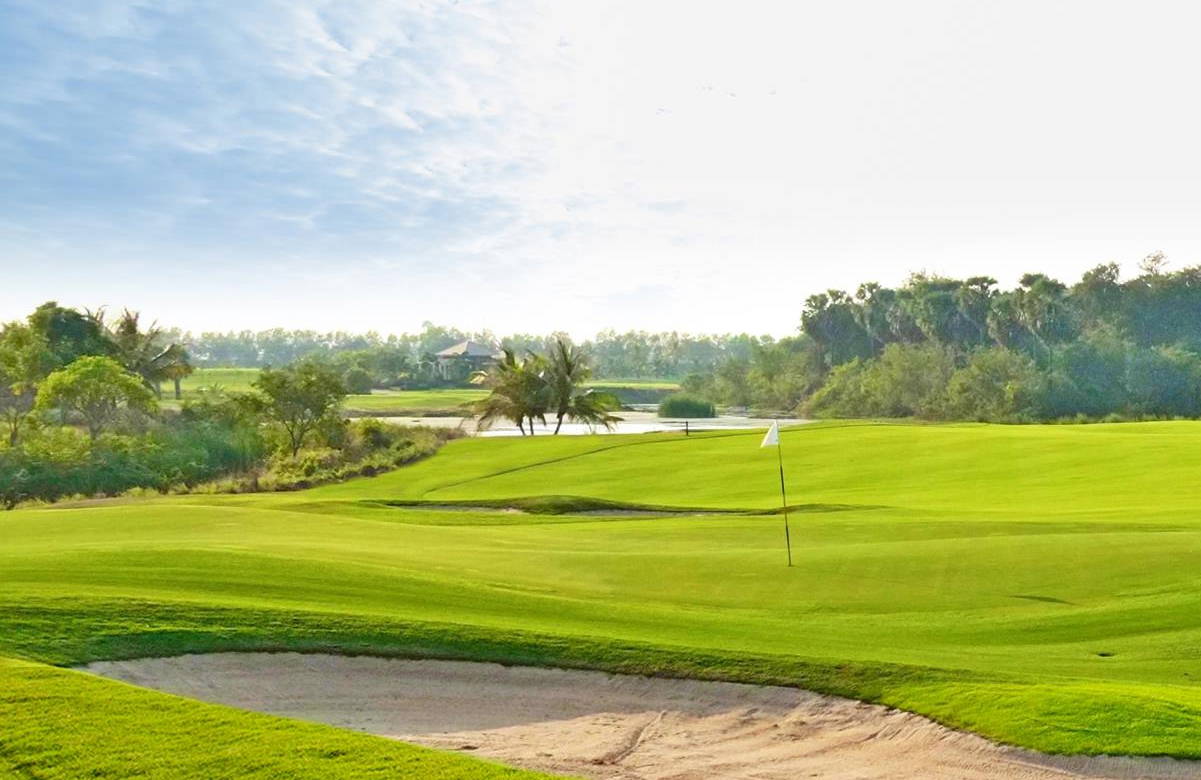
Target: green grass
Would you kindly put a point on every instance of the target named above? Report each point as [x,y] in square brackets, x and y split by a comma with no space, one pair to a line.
[63,724]
[232,380]
[401,403]
[1040,585]
[416,402]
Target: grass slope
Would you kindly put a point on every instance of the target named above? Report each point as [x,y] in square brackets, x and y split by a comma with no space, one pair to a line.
[64,724]
[1038,584]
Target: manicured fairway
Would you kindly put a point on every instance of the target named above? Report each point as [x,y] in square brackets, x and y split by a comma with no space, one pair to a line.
[1040,584]
[402,402]
[231,380]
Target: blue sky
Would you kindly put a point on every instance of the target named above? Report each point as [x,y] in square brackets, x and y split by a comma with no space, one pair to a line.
[538,166]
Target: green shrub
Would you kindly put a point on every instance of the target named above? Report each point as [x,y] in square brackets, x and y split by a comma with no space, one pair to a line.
[906,380]
[357,381]
[996,385]
[683,405]
[370,447]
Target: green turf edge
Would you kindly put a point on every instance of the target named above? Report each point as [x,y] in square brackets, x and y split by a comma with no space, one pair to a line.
[57,723]
[58,632]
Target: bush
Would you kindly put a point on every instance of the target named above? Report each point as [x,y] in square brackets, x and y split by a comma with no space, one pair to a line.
[997,385]
[371,447]
[357,381]
[906,380]
[682,405]
[1164,381]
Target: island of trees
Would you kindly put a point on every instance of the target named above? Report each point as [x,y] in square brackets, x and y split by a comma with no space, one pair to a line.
[964,349]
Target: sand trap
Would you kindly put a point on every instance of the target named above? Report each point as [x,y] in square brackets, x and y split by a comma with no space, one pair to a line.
[611,726]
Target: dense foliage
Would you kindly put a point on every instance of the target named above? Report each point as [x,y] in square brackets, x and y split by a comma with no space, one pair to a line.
[940,348]
[79,405]
[935,348]
[408,359]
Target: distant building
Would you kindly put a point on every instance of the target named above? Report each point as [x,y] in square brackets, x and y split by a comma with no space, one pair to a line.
[458,362]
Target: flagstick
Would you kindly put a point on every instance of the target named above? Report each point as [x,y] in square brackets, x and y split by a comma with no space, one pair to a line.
[784,502]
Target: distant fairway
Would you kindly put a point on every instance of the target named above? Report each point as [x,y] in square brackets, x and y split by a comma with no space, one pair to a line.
[451,401]
[1040,585]
[401,402]
[231,380]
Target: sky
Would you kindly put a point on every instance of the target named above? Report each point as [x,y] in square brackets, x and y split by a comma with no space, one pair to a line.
[560,165]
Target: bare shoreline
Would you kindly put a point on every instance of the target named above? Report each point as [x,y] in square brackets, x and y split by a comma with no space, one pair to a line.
[600,725]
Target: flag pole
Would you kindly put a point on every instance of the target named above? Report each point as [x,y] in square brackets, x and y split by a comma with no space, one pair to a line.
[784,503]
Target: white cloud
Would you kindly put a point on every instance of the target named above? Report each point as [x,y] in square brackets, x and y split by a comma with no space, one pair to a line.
[542,165]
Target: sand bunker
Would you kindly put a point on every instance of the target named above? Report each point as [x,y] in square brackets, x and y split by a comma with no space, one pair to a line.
[599,725]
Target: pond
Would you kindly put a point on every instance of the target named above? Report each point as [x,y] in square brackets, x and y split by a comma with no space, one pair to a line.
[637,421]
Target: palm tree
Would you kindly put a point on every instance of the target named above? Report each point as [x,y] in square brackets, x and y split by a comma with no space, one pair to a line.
[569,369]
[179,368]
[520,391]
[142,352]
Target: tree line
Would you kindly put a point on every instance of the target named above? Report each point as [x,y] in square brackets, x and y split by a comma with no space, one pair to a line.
[408,358]
[965,349]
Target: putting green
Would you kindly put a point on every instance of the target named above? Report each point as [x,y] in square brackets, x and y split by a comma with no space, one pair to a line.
[1040,585]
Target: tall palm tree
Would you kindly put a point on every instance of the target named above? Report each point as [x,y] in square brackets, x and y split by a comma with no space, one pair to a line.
[519,391]
[568,370]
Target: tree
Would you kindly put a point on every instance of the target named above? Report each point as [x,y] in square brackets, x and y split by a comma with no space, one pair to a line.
[300,398]
[97,389]
[907,380]
[832,319]
[783,373]
[994,386]
[145,352]
[357,381]
[1098,296]
[25,359]
[519,391]
[731,382]
[1153,264]
[177,371]
[568,370]
[1164,381]
[68,334]
[1043,309]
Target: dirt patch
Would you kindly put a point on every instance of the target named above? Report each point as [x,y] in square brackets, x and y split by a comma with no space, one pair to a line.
[601,725]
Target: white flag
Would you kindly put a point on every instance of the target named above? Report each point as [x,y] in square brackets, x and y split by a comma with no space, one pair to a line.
[772,439]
